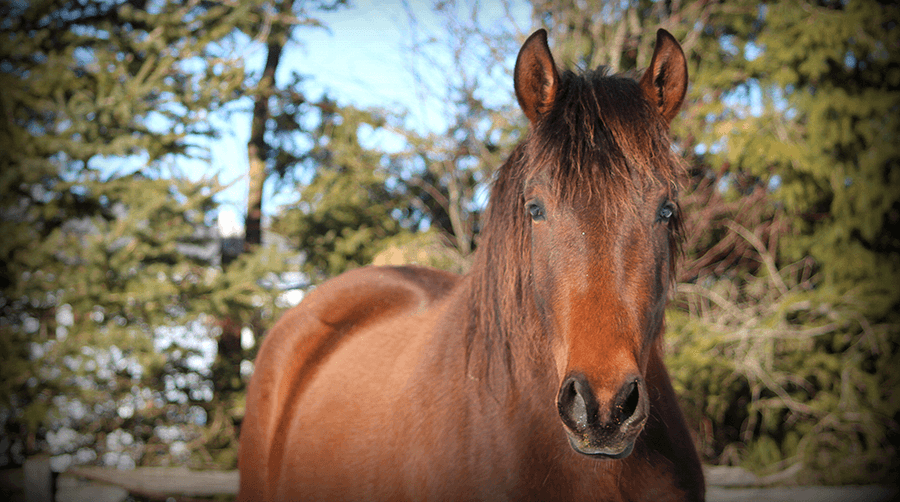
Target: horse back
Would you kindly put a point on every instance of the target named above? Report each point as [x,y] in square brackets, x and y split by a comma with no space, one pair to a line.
[302,341]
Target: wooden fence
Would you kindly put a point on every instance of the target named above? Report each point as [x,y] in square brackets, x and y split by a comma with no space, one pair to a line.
[36,482]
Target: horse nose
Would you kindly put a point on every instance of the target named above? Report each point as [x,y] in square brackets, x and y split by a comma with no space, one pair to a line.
[580,409]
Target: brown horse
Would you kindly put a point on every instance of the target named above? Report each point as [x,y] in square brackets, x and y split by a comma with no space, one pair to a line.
[538,375]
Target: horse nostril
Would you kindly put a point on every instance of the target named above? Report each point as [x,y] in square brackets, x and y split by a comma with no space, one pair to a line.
[629,400]
[573,403]
[578,410]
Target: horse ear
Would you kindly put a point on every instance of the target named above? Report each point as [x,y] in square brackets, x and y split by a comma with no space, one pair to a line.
[665,81]
[535,78]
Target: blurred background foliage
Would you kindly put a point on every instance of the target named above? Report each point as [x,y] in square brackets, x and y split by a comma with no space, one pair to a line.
[128,323]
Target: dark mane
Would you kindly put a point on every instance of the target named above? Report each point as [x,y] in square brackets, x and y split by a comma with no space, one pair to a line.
[603,139]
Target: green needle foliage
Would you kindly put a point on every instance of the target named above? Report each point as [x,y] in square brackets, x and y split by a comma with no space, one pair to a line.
[826,124]
[346,213]
[112,286]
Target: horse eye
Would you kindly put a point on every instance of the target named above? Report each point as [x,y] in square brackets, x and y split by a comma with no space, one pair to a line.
[666,212]
[536,210]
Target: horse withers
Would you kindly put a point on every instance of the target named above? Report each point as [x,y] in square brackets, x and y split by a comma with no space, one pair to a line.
[539,374]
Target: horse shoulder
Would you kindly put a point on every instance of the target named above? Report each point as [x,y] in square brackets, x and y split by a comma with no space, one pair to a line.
[304,337]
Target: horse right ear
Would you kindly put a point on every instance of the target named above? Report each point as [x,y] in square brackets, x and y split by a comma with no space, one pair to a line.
[535,77]
[665,82]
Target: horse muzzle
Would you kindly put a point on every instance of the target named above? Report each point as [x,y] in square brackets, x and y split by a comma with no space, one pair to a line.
[598,429]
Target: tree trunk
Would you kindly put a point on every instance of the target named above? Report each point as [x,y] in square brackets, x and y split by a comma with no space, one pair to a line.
[277,29]
[257,148]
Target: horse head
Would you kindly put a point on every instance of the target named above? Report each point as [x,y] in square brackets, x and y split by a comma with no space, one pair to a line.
[599,188]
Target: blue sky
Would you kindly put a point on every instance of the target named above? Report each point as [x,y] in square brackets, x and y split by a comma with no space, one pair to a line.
[359,59]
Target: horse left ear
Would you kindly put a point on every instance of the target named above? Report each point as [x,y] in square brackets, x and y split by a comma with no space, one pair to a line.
[665,81]
[535,77]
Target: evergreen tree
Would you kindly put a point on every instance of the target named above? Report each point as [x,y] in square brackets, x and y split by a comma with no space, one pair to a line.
[828,75]
[821,82]
[102,267]
[347,212]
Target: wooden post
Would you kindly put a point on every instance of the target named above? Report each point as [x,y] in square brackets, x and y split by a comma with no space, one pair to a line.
[38,479]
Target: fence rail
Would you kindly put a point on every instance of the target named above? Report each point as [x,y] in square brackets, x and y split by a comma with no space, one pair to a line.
[36,482]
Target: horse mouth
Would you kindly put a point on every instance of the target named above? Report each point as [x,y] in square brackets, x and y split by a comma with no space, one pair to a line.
[586,447]
[606,442]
